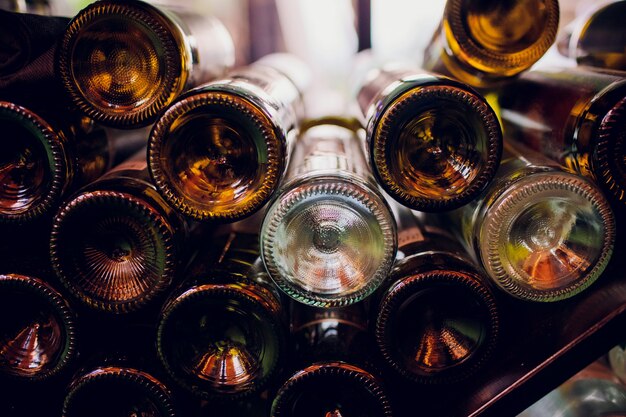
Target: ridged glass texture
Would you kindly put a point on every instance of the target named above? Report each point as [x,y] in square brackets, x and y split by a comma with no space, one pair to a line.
[328,242]
[331,389]
[31,168]
[36,330]
[547,237]
[112,391]
[111,250]
[222,341]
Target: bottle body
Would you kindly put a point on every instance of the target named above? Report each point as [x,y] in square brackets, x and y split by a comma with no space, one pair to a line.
[541,233]
[123,62]
[434,143]
[436,320]
[331,353]
[575,117]
[597,37]
[42,161]
[220,151]
[484,43]
[109,390]
[328,238]
[37,333]
[116,244]
[221,335]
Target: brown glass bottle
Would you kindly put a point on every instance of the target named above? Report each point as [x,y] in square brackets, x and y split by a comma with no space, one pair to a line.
[328,238]
[37,329]
[573,116]
[109,390]
[597,37]
[434,143]
[485,42]
[219,152]
[327,343]
[541,233]
[42,160]
[436,318]
[116,244]
[222,334]
[123,61]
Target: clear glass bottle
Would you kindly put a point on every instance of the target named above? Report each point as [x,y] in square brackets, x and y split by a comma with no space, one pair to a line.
[434,143]
[328,238]
[222,334]
[574,116]
[436,318]
[484,42]
[37,329]
[328,342]
[116,244]
[597,37]
[41,161]
[220,151]
[124,61]
[108,390]
[541,233]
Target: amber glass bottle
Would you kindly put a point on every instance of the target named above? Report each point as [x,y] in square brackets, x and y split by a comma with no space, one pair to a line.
[222,334]
[328,238]
[123,61]
[107,391]
[541,233]
[436,319]
[116,244]
[37,329]
[482,42]
[219,152]
[597,37]
[328,385]
[41,161]
[574,116]
[434,143]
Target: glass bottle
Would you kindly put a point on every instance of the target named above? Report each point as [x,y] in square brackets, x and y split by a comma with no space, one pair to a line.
[593,392]
[597,37]
[329,342]
[436,320]
[328,238]
[41,161]
[110,390]
[434,143]
[221,335]
[220,151]
[541,233]
[574,116]
[484,42]
[37,329]
[124,61]
[116,244]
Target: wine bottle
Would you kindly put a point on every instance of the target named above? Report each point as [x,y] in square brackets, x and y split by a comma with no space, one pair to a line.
[436,318]
[331,349]
[574,116]
[328,238]
[37,329]
[222,334]
[486,42]
[434,143]
[541,233]
[124,61]
[109,390]
[219,152]
[593,392]
[597,37]
[116,244]
[43,160]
